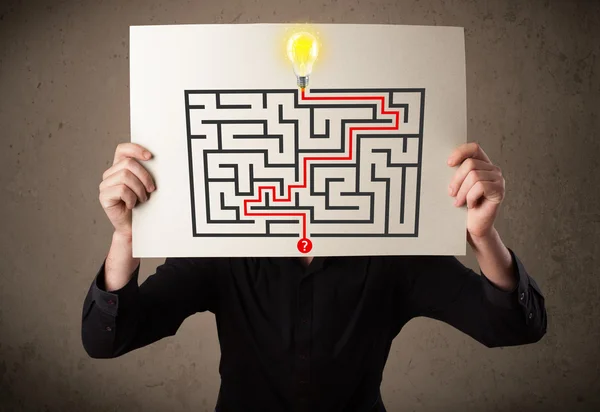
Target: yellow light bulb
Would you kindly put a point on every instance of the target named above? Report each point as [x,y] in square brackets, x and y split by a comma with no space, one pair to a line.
[302,50]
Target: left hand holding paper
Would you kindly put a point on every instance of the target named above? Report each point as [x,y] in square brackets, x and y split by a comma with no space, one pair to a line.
[478,183]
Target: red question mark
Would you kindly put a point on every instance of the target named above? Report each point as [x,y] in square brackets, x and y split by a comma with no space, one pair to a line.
[304,245]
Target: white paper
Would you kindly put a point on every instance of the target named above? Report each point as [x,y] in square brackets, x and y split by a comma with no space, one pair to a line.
[226,95]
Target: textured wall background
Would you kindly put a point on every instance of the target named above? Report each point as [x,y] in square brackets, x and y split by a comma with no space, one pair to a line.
[533,99]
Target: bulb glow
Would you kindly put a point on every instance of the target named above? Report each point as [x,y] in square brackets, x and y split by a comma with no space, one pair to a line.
[302,51]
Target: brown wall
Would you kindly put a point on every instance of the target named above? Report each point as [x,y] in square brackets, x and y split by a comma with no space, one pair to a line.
[533,91]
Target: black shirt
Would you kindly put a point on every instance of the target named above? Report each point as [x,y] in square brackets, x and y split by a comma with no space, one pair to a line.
[314,338]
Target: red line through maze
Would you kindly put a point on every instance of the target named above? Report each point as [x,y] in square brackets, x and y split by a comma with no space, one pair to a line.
[303,184]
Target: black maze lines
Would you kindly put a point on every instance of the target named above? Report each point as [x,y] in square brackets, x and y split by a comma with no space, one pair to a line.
[325,163]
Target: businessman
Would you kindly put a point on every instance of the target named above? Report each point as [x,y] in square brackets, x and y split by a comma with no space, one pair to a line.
[310,334]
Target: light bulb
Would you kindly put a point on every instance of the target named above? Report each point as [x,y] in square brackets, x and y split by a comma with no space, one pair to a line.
[302,50]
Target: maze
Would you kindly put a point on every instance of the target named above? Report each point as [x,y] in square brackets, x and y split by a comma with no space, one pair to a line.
[290,163]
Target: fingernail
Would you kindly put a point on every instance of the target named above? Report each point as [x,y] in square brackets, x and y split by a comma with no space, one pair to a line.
[151,188]
[449,161]
[450,190]
[146,154]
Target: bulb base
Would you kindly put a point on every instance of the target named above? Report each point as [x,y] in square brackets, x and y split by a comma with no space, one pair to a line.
[302,82]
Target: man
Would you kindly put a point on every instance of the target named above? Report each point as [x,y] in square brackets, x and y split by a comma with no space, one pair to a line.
[310,334]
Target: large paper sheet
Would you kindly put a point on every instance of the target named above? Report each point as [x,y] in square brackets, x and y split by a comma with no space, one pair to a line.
[246,163]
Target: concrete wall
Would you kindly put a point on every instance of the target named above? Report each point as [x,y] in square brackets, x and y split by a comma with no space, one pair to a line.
[533,98]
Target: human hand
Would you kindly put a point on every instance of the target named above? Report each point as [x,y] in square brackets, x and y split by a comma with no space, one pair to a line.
[125,184]
[478,183]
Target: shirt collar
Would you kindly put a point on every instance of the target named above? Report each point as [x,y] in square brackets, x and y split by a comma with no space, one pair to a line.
[318,262]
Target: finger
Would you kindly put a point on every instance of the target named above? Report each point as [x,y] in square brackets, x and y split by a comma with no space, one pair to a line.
[484,189]
[127,178]
[112,195]
[465,151]
[465,168]
[475,194]
[134,167]
[472,178]
[131,150]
